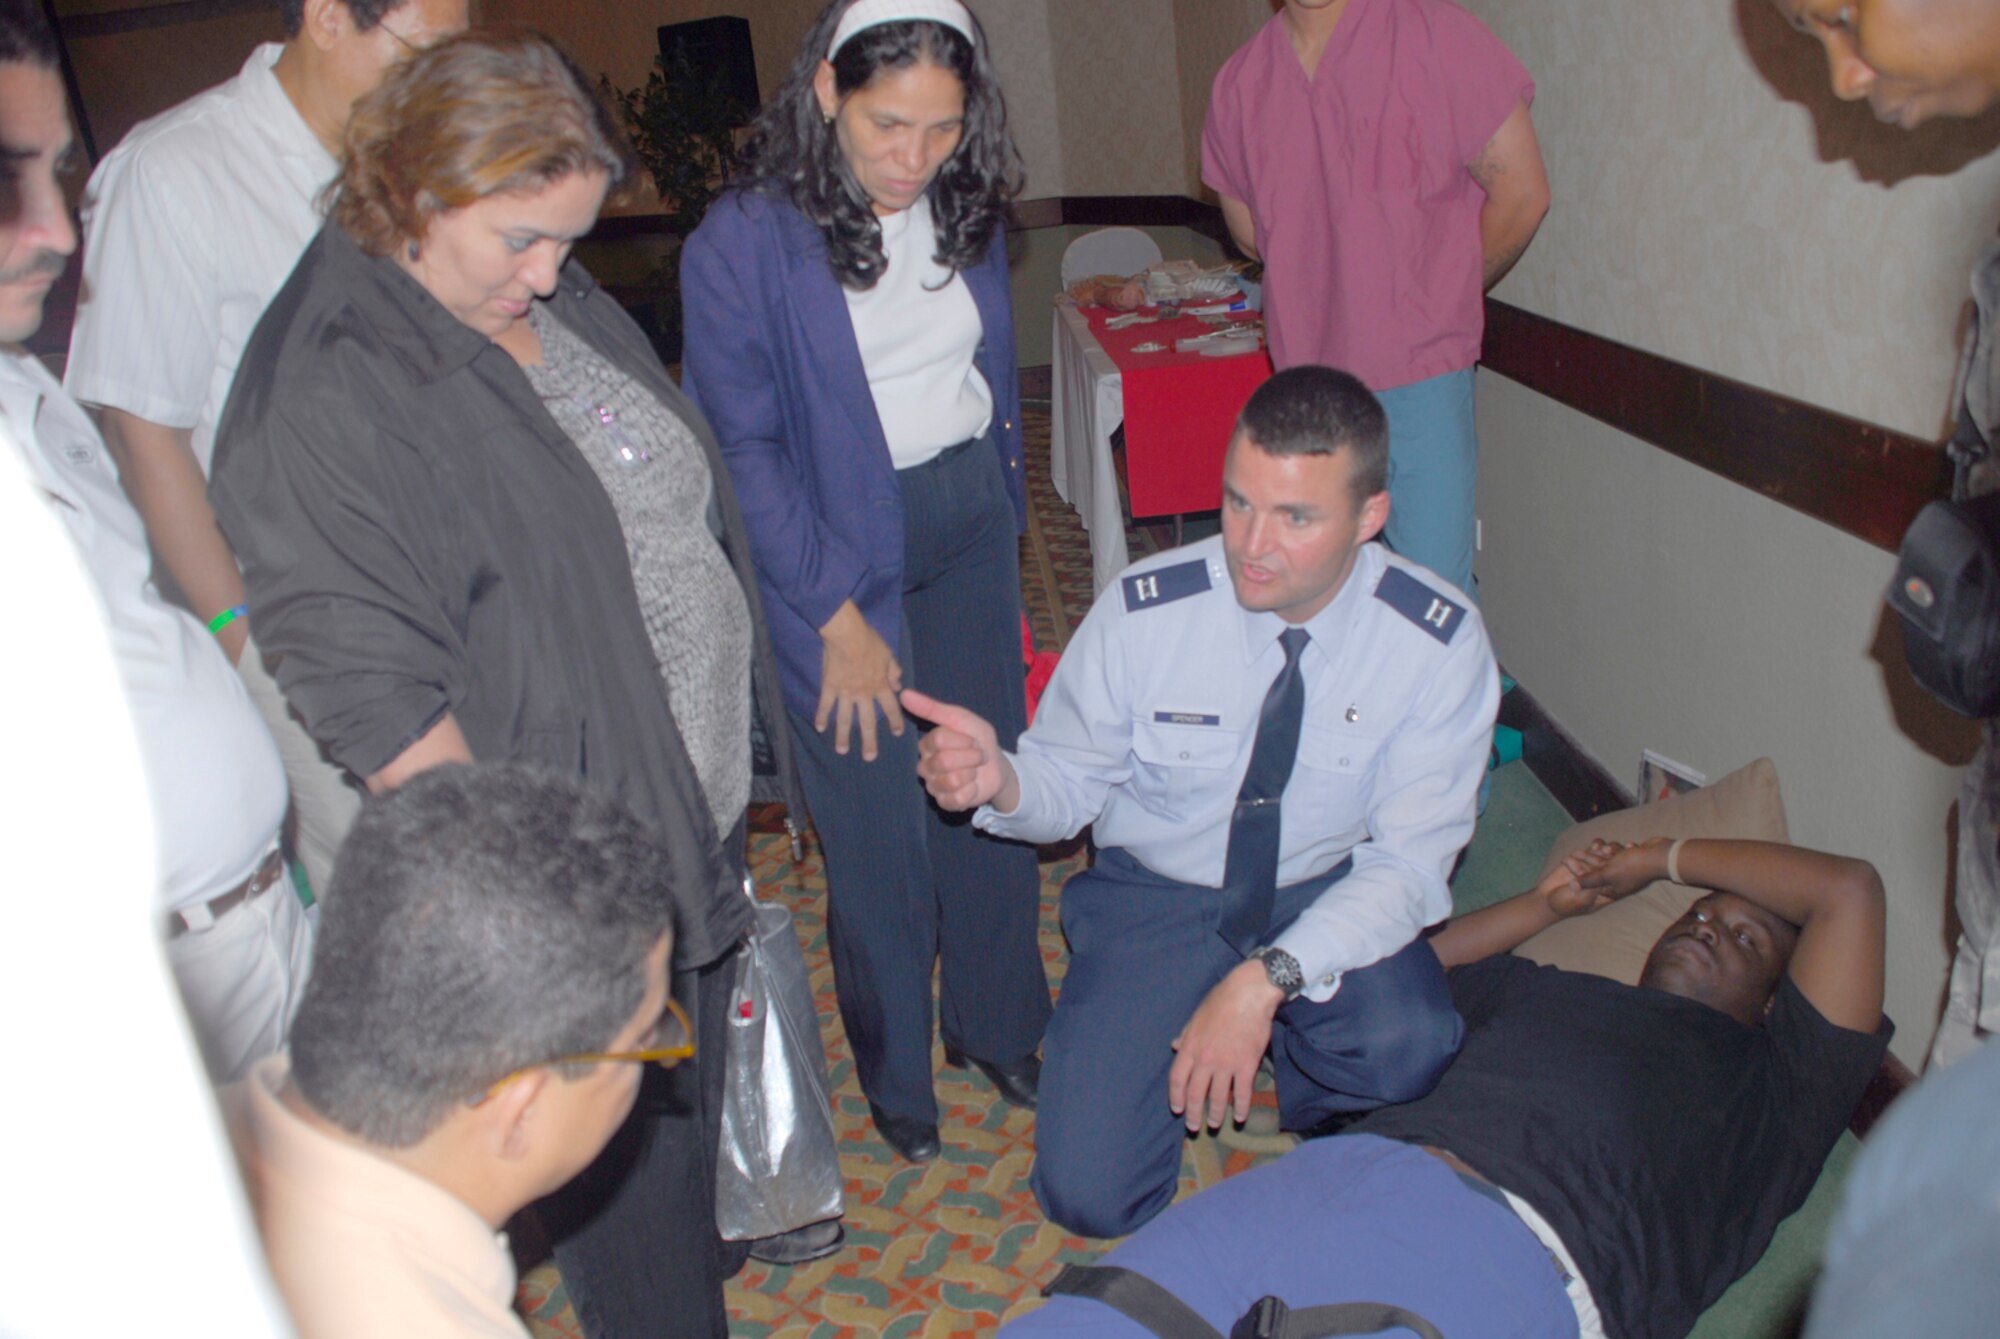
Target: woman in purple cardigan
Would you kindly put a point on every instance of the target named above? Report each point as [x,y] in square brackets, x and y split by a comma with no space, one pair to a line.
[850,337]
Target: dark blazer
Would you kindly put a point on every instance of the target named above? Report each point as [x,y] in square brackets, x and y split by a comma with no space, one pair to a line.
[419,536]
[772,361]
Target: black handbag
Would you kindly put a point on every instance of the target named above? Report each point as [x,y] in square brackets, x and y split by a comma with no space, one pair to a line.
[1947,589]
[1146,1302]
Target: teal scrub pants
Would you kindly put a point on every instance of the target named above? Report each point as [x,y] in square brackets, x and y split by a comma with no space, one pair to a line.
[1433,471]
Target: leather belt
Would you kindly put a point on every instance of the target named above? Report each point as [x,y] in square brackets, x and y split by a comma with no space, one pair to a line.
[267,873]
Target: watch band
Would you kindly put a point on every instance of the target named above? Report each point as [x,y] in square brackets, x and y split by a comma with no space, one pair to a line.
[1282,970]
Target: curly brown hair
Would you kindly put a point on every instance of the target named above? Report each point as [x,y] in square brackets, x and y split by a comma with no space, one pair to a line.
[483,113]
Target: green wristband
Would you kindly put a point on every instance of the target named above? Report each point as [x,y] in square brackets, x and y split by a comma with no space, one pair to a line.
[227,616]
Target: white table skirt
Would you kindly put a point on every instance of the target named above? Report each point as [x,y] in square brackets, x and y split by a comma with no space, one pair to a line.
[1087,404]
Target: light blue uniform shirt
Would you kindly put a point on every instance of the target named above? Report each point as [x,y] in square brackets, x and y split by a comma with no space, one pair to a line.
[1146,730]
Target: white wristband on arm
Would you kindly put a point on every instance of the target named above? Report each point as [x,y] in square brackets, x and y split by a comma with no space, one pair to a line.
[1674,859]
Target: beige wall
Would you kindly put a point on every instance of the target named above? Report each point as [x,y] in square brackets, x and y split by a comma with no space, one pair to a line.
[1206,32]
[1714,204]
[1118,95]
[1024,53]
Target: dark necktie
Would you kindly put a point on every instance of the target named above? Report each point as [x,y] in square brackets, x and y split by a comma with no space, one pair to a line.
[1250,871]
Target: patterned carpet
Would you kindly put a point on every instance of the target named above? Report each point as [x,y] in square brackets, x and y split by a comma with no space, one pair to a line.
[959,1245]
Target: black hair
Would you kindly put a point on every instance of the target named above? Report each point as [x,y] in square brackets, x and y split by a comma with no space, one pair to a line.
[25,35]
[481,919]
[1315,411]
[793,151]
[367,13]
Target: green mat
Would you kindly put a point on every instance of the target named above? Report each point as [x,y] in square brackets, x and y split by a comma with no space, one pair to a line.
[1505,856]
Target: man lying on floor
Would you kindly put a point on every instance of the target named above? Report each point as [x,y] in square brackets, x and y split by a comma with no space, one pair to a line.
[1599,1155]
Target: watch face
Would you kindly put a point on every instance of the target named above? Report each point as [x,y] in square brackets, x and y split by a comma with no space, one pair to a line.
[1282,970]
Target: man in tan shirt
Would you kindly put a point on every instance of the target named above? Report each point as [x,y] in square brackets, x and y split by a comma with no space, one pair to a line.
[490,975]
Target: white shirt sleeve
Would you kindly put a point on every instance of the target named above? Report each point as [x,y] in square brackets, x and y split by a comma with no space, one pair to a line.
[1421,815]
[148,325]
[1080,745]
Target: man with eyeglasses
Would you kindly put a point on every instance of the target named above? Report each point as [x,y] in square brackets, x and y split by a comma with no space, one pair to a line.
[191,224]
[490,976]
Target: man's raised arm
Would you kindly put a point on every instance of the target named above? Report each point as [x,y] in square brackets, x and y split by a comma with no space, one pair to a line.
[1505,926]
[1836,903]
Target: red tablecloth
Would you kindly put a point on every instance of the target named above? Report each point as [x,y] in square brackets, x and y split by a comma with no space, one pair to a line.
[1180,409]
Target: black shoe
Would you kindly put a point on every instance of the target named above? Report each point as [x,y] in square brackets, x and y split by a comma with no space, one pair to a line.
[1017,1081]
[800,1244]
[916,1140]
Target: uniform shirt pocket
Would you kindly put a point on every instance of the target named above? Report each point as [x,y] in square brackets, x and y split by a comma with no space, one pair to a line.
[1334,778]
[1180,762]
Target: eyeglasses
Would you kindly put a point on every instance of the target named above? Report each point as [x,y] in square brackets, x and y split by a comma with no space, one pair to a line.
[673,1038]
[411,47]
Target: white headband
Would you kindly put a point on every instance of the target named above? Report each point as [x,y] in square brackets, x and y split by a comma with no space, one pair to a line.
[871,13]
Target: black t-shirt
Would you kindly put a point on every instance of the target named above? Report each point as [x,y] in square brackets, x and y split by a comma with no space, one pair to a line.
[1661,1138]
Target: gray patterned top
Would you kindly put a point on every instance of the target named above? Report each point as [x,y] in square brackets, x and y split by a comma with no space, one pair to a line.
[696,616]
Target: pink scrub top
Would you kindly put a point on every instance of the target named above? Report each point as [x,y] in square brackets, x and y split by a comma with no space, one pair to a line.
[1367,218]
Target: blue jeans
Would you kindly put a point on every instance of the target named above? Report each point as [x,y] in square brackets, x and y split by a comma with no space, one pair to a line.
[909,886]
[1351,1219]
[1433,474]
[1144,952]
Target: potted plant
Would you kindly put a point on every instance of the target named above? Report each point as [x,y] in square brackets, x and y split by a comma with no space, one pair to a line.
[682,124]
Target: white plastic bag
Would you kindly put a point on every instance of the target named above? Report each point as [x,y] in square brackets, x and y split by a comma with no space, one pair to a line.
[779,1169]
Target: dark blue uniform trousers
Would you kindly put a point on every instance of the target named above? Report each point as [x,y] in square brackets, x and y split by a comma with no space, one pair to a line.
[1144,952]
[909,886]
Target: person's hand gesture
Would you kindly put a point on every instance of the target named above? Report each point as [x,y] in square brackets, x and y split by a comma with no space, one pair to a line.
[1630,869]
[1565,888]
[1217,1053]
[960,758]
[858,676]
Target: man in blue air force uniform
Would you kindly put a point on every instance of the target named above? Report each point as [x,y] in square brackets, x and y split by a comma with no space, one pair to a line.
[1278,734]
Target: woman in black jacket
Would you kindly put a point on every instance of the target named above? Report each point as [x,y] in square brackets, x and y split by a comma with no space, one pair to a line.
[478,520]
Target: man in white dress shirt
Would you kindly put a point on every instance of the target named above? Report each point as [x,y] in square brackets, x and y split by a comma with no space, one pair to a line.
[237,937]
[191,225]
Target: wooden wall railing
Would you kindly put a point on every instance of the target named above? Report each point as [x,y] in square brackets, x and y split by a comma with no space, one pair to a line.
[1855,476]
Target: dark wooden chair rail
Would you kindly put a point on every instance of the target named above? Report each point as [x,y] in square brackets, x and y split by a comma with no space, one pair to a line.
[1855,476]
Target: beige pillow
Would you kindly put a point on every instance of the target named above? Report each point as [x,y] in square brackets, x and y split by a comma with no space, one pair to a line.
[1614,942]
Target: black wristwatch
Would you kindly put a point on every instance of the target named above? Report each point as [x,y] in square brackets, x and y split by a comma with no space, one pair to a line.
[1282,970]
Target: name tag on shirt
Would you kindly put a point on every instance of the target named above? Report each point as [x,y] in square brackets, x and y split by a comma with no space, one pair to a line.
[1185,718]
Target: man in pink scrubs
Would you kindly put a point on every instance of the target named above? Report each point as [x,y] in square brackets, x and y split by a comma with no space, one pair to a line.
[1378,156]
